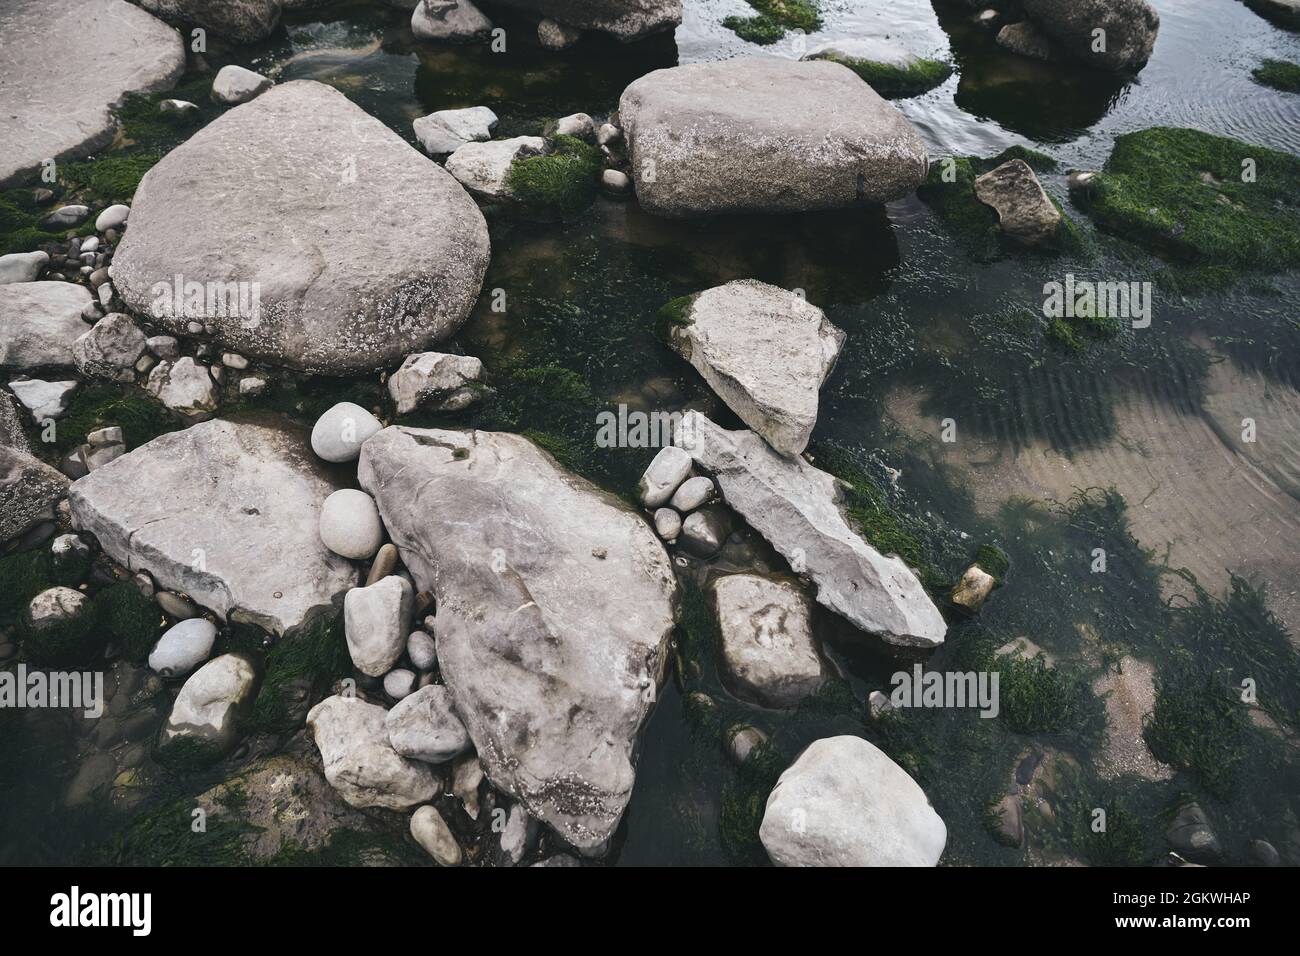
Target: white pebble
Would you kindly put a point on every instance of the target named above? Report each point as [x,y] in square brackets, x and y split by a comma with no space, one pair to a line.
[350,525]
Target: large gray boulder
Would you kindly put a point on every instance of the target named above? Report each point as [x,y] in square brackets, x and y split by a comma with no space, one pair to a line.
[844,803]
[225,512]
[64,65]
[555,603]
[1128,28]
[767,135]
[798,508]
[39,323]
[243,21]
[765,351]
[625,19]
[359,763]
[360,250]
[29,489]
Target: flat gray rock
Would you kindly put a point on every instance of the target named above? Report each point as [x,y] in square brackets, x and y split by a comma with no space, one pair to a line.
[64,65]
[225,512]
[555,603]
[29,490]
[1025,213]
[40,322]
[484,168]
[446,131]
[243,21]
[767,650]
[765,352]
[625,19]
[366,252]
[844,803]
[797,508]
[765,135]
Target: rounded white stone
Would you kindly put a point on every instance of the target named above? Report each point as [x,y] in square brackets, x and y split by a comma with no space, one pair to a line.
[350,525]
[339,433]
[183,647]
[399,683]
[112,217]
[422,651]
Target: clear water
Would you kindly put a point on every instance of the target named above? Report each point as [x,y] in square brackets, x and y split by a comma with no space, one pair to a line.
[583,294]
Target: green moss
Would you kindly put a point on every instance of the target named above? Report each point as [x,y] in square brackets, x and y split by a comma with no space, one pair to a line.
[1182,193]
[1279,74]
[111,178]
[20,229]
[98,405]
[673,312]
[1038,162]
[22,576]
[129,618]
[166,837]
[743,803]
[775,17]
[893,81]
[1036,698]
[307,660]
[762,30]
[559,185]
[184,755]
[1119,838]
[994,561]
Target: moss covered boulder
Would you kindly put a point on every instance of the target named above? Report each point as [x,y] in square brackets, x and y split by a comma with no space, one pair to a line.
[888,69]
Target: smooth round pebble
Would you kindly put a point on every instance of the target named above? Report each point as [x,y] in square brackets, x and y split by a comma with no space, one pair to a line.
[399,683]
[338,434]
[693,493]
[183,647]
[350,525]
[54,606]
[668,524]
[421,650]
[112,217]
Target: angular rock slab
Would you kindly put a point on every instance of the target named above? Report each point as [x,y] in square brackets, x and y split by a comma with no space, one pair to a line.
[765,352]
[226,512]
[1025,213]
[796,507]
[765,135]
[625,19]
[556,603]
[40,322]
[361,250]
[29,490]
[768,653]
[64,65]
[844,803]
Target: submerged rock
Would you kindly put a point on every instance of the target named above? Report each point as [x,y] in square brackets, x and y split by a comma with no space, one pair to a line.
[765,135]
[1025,39]
[367,252]
[1024,211]
[64,66]
[888,68]
[767,650]
[225,512]
[1128,30]
[625,19]
[765,352]
[844,803]
[39,323]
[798,509]
[359,763]
[555,602]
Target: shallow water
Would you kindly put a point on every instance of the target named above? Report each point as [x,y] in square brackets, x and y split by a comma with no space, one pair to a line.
[1157,424]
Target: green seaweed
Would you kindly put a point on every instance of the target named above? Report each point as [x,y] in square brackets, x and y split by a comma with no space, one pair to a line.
[99,405]
[895,82]
[307,659]
[774,19]
[560,184]
[1279,74]
[129,618]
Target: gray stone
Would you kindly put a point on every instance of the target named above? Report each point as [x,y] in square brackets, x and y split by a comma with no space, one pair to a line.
[212,702]
[45,400]
[183,647]
[55,606]
[1024,211]
[338,434]
[455,21]
[668,524]
[466,778]
[484,168]
[693,493]
[55,112]
[234,85]
[376,621]
[556,36]
[29,489]
[385,561]
[246,496]
[864,50]
[1025,39]
[615,182]
[767,651]
[704,532]
[1130,28]
[798,509]
[741,741]
[518,836]
[552,684]
[398,683]
[430,830]
[438,381]
[422,651]
[39,323]
[175,606]
[359,763]
[114,217]
[579,125]
[765,135]
[350,525]
[1190,834]
[663,476]
[424,726]
[331,297]
[242,21]
[765,352]
[184,386]
[446,131]
[110,348]
[625,19]
[973,589]
[844,803]
[22,266]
